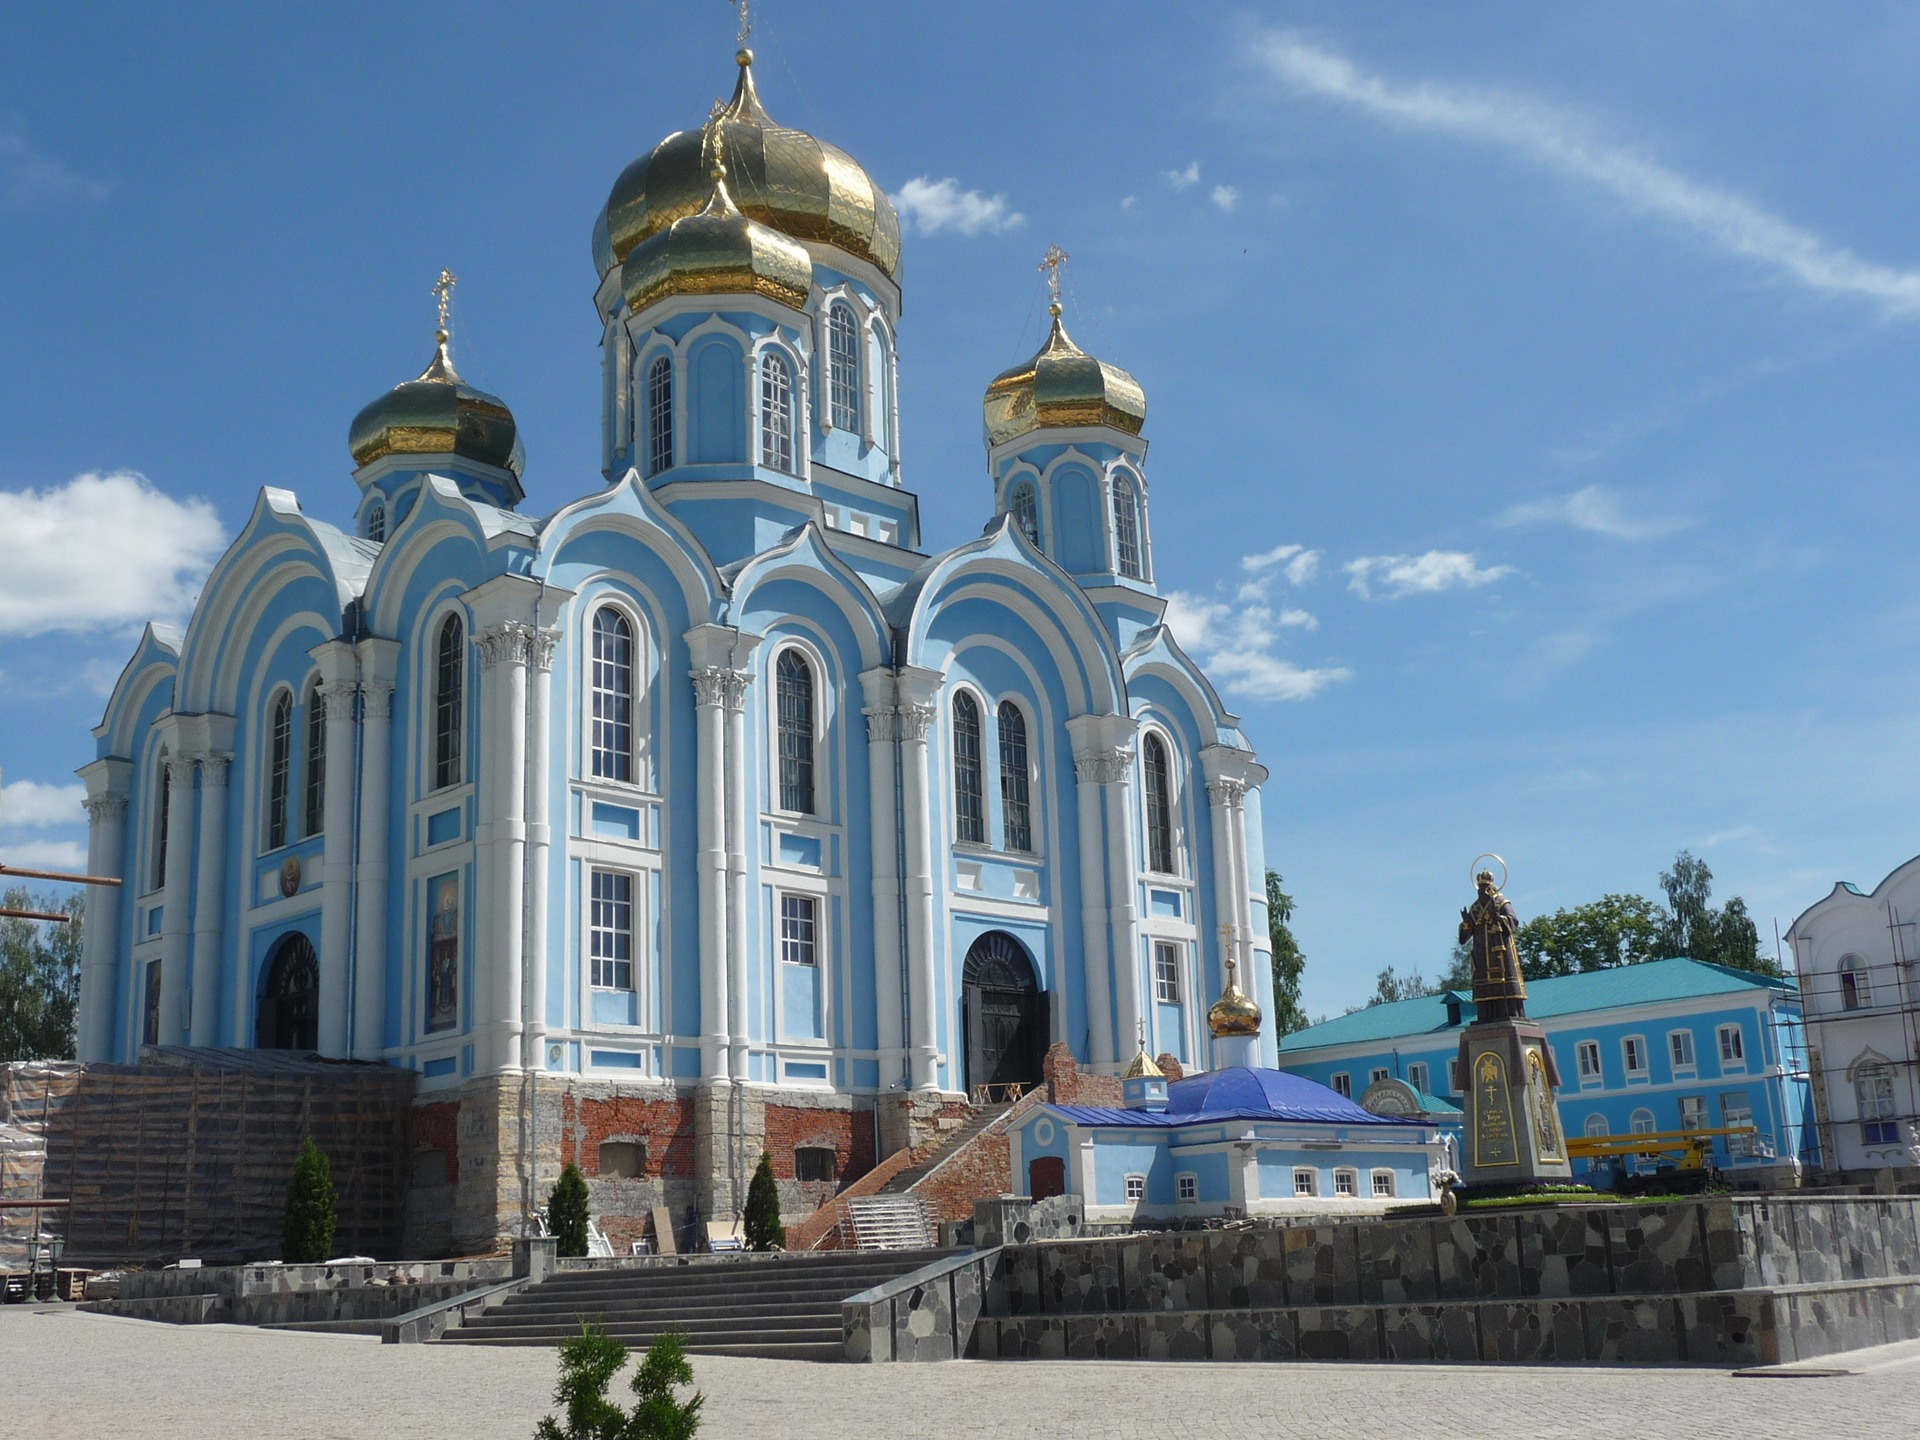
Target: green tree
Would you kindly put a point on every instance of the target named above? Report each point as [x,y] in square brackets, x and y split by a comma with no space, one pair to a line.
[1288,963]
[1389,986]
[1613,930]
[764,1230]
[567,1211]
[39,976]
[306,1235]
[588,1363]
[1695,928]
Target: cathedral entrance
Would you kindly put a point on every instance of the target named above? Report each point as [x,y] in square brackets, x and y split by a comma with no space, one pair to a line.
[289,1016]
[1004,1014]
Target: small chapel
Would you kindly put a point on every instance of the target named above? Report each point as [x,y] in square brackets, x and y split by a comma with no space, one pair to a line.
[715,812]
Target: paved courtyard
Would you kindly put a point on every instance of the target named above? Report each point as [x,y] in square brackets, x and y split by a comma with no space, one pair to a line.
[63,1374]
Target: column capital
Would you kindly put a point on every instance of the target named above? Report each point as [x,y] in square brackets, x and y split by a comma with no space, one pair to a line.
[339,700]
[720,685]
[180,768]
[1226,790]
[379,699]
[916,721]
[213,767]
[883,723]
[508,643]
[1108,766]
[105,808]
[540,648]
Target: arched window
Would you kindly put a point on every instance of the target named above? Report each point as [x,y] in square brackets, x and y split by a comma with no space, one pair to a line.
[1596,1124]
[880,386]
[279,768]
[288,1017]
[449,686]
[1126,528]
[612,695]
[1873,1089]
[1024,506]
[160,824]
[793,683]
[843,367]
[377,522]
[1856,990]
[1640,1122]
[659,415]
[316,783]
[1016,811]
[969,805]
[776,413]
[1159,800]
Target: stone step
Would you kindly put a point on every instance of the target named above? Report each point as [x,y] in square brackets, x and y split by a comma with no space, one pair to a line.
[819,1350]
[825,1303]
[754,1271]
[328,1327]
[569,1321]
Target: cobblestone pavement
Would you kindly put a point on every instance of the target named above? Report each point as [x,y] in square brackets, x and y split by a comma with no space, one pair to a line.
[63,1374]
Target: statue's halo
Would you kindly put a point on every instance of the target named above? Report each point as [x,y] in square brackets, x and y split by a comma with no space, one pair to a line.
[1473,870]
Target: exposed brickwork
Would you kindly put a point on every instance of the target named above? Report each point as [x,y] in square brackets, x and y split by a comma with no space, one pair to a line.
[982,1169]
[1170,1068]
[848,1133]
[663,1125]
[1067,1084]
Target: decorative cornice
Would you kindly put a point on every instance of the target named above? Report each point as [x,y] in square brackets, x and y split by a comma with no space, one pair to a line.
[507,643]
[105,808]
[1103,767]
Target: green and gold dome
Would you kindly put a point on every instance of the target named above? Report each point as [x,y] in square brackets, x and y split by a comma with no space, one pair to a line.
[438,414]
[1062,385]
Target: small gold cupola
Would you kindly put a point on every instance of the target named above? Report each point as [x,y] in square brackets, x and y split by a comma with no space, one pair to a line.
[1144,1086]
[1062,385]
[1234,1014]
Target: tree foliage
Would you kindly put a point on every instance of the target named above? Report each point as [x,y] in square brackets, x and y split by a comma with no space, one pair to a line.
[764,1230]
[1289,965]
[1389,985]
[1613,930]
[567,1212]
[588,1363]
[39,976]
[306,1235]
[1695,928]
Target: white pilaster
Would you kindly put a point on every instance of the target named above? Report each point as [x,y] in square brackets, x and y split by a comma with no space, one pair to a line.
[539,844]
[504,650]
[1123,882]
[709,646]
[209,907]
[338,690]
[883,736]
[734,685]
[1093,767]
[1229,772]
[175,919]
[379,662]
[107,786]
[916,716]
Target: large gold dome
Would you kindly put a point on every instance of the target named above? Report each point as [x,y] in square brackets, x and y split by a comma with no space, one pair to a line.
[784,178]
[438,414]
[717,251]
[1062,385]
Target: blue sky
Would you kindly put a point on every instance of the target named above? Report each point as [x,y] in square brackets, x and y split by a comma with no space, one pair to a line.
[1531,389]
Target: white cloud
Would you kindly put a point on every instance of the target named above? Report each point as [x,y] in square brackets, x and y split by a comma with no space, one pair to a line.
[1235,644]
[1424,574]
[27,804]
[1297,563]
[99,552]
[1186,178]
[69,856]
[1128,202]
[1567,143]
[1594,508]
[29,178]
[1226,197]
[929,206]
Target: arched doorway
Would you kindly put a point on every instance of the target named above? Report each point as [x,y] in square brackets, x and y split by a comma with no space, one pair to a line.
[289,1017]
[1004,1012]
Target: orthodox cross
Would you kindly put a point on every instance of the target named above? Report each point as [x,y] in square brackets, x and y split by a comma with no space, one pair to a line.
[746,21]
[1143,1037]
[443,293]
[1051,263]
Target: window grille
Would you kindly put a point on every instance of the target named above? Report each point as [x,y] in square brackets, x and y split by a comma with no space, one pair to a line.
[1026,510]
[1166,972]
[1126,528]
[447,703]
[793,684]
[1016,813]
[799,930]
[659,415]
[843,368]
[612,681]
[316,786]
[279,770]
[969,804]
[776,414]
[1159,807]
[610,930]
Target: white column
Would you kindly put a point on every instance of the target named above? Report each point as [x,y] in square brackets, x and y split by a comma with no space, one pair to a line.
[916,721]
[1122,877]
[883,732]
[739,1025]
[504,650]
[336,867]
[710,863]
[1090,770]
[175,921]
[209,906]
[100,941]
[371,891]
[539,845]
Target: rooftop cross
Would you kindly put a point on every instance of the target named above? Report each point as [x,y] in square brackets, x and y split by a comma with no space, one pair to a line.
[746,20]
[443,292]
[1051,263]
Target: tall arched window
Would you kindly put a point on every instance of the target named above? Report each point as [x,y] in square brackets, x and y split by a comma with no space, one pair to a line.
[1159,798]
[1016,809]
[1126,528]
[1856,990]
[793,684]
[1024,506]
[612,695]
[843,367]
[316,782]
[776,413]
[279,768]
[377,522]
[659,415]
[160,824]
[449,685]
[969,804]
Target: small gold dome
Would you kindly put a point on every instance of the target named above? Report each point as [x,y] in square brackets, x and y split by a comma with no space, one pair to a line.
[438,414]
[1062,385]
[784,178]
[1235,1012]
[1142,1067]
[717,251]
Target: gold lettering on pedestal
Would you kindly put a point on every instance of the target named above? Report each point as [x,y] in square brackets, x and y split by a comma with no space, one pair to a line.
[1494,1143]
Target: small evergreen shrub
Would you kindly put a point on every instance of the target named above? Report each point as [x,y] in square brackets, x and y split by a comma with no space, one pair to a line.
[764,1230]
[567,1212]
[306,1234]
[588,1363]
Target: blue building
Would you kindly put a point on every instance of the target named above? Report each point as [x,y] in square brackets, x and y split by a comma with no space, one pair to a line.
[1664,1046]
[712,790]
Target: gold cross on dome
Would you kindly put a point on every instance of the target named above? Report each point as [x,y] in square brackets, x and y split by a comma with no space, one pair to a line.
[443,292]
[1051,263]
[1143,1037]
[746,21]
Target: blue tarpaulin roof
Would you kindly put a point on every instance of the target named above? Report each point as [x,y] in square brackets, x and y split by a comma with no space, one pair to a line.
[1237,1092]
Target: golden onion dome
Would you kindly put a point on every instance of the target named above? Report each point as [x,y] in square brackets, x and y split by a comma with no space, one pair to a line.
[1235,1012]
[787,179]
[717,251]
[1062,385]
[438,414]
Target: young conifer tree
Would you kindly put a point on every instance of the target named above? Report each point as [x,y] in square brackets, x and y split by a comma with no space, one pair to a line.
[567,1212]
[306,1235]
[764,1230]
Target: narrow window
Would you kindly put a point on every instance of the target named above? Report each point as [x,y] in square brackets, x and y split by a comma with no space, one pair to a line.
[1188,1188]
[1589,1053]
[1136,1188]
[1856,991]
[1680,1042]
[1026,510]
[843,367]
[1383,1184]
[1166,972]
[1733,1046]
[1343,1083]
[160,825]
[1736,1110]
[610,930]
[799,930]
[1306,1182]
[279,769]
[316,786]
[612,695]
[969,805]
[1417,1076]
[1633,1051]
[1873,1088]
[793,681]
[1126,528]
[1159,807]
[447,704]
[1453,1078]
[1016,813]
[1693,1112]
[377,522]
[776,413]
[150,1010]
[659,415]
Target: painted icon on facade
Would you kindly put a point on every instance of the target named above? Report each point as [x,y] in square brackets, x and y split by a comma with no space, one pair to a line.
[443,952]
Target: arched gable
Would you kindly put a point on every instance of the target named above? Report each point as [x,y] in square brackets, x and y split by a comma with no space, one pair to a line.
[150,676]
[629,510]
[805,558]
[1157,655]
[444,534]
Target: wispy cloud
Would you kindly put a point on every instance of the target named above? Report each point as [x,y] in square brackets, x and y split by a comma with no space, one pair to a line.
[1427,574]
[1238,640]
[1296,562]
[929,206]
[1225,196]
[26,804]
[1569,144]
[67,855]
[1186,177]
[101,552]
[30,179]
[1597,509]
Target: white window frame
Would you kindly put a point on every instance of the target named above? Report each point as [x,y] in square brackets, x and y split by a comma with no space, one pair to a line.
[793,950]
[1736,1063]
[1169,982]
[1635,1073]
[1597,1124]
[1186,1188]
[639,758]
[1586,1059]
[1388,1190]
[1419,1077]
[1377,1074]
[1689,1065]
[1346,1183]
[1341,1083]
[1854,968]
[823,772]
[595,980]
[855,380]
[1641,1122]
[1306,1182]
[1134,1188]
[1699,1103]
[1453,1077]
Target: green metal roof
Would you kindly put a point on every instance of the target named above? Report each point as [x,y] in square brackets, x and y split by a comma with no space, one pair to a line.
[1651,983]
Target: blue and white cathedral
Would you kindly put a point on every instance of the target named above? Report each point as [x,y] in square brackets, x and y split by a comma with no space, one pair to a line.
[712,790]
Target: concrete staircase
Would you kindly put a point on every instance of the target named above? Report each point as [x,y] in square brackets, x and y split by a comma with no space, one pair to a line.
[787,1307]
